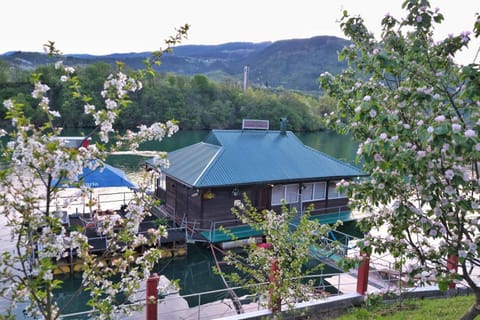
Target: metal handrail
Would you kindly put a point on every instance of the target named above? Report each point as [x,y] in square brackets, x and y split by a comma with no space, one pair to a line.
[79,205]
[202,297]
[235,222]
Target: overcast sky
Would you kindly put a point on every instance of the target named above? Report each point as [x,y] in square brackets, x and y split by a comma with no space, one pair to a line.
[113,26]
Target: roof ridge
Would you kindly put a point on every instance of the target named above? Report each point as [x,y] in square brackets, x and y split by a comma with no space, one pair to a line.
[209,165]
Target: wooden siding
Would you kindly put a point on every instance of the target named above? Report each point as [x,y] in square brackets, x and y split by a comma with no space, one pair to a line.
[219,208]
[170,197]
[160,193]
[183,202]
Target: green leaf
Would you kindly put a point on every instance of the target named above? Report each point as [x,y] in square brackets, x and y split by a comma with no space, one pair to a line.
[441,129]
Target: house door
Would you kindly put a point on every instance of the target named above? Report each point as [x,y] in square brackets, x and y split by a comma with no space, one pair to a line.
[263,199]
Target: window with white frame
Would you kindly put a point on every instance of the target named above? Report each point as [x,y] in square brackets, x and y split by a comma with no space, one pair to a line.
[288,192]
[319,190]
[310,192]
[313,191]
[278,193]
[332,191]
[291,193]
[307,192]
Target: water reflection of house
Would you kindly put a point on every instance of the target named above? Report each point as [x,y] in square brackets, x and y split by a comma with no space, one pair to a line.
[204,180]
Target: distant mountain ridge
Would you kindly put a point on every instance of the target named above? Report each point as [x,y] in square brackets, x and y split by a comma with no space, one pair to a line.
[292,64]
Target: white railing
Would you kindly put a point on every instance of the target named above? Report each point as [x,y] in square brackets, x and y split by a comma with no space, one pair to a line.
[330,211]
[218,303]
[100,200]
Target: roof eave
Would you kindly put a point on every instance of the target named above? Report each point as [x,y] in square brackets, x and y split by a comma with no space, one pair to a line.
[283,181]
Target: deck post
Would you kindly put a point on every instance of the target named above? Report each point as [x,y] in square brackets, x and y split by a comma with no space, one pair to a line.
[363,270]
[452,266]
[274,299]
[152,297]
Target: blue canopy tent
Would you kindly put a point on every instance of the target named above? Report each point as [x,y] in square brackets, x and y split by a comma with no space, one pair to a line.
[104,176]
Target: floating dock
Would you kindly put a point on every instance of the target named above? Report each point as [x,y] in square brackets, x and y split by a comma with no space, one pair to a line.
[173,245]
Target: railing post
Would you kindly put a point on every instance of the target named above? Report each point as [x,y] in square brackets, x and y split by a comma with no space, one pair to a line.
[274,299]
[199,306]
[152,297]
[363,270]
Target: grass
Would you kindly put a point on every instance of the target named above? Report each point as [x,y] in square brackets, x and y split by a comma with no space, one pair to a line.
[438,309]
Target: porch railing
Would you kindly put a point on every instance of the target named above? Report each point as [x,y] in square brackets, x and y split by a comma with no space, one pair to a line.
[215,304]
[325,215]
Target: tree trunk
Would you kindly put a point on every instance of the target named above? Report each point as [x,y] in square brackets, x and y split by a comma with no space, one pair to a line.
[472,312]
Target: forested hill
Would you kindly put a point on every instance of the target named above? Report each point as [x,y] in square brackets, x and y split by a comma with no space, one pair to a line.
[291,64]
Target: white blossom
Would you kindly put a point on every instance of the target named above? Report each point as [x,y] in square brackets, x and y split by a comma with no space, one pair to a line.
[470,133]
[421,154]
[40,90]
[456,127]
[8,104]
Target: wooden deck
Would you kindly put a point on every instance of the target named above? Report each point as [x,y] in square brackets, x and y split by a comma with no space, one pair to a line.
[173,245]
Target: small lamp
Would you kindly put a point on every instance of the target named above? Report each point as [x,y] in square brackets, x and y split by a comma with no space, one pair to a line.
[235,192]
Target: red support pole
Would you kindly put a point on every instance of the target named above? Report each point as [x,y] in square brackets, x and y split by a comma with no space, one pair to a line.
[152,297]
[362,276]
[452,266]
[274,301]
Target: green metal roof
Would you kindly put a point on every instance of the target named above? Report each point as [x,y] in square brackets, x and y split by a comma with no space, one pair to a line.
[240,157]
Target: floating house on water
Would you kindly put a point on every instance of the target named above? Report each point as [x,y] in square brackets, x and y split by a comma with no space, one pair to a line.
[91,219]
[204,180]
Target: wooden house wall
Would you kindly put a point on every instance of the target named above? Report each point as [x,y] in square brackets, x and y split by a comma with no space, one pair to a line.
[327,206]
[170,196]
[219,208]
[182,201]
[160,193]
[195,206]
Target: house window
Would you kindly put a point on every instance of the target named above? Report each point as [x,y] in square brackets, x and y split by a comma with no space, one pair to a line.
[278,193]
[313,191]
[307,192]
[319,190]
[291,193]
[310,192]
[162,181]
[288,192]
[332,192]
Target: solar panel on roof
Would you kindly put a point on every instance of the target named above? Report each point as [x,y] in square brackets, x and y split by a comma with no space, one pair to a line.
[255,124]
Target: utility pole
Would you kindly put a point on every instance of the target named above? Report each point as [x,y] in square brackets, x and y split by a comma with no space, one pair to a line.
[246,69]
